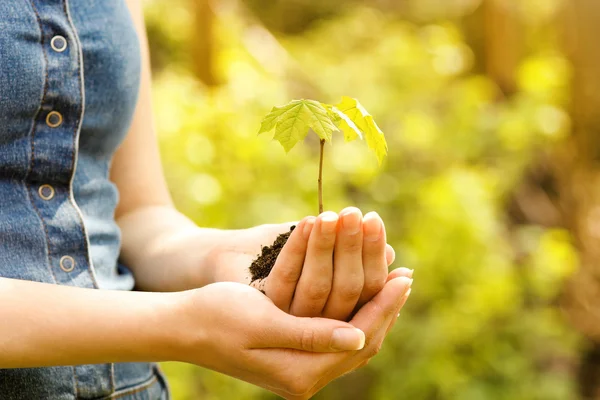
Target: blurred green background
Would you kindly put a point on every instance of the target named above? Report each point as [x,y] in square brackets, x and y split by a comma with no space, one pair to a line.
[490,192]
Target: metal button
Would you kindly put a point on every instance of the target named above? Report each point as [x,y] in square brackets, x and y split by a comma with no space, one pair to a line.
[58,43]
[54,119]
[67,263]
[46,192]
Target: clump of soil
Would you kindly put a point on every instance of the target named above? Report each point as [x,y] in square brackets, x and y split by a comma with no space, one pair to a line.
[262,266]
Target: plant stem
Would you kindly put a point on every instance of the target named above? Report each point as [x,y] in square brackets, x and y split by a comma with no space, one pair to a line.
[321,177]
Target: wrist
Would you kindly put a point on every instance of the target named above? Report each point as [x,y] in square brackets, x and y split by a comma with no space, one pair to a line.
[217,262]
[197,256]
[187,335]
[171,328]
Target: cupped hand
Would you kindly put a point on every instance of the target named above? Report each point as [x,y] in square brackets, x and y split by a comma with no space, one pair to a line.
[234,329]
[330,266]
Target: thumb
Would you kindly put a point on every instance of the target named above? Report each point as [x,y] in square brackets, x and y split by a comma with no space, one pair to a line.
[317,335]
[383,307]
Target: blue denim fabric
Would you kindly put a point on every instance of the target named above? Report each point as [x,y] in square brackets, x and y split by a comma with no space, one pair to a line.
[69,78]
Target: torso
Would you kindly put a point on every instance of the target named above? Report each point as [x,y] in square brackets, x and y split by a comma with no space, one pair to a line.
[65,106]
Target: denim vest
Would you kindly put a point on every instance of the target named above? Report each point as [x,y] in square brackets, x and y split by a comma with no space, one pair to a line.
[69,78]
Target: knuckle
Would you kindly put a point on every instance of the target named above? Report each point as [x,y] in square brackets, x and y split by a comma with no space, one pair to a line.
[351,290]
[378,310]
[298,386]
[318,290]
[352,246]
[374,284]
[287,274]
[325,243]
[374,251]
[308,340]
[374,350]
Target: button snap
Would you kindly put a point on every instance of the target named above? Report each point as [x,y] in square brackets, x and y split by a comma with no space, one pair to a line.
[67,263]
[58,44]
[54,119]
[46,192]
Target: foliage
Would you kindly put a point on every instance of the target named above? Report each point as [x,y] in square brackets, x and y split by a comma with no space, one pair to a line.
[293,121]
[482,322]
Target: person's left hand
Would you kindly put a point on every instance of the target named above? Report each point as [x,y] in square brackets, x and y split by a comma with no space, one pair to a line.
[330,266]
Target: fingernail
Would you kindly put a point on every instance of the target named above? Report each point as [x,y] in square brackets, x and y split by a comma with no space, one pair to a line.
[351,221]
[408,284]
[346,339]
[405,297]
[409,272]
[308,226]
[329,221]
[372,228]
[406,293]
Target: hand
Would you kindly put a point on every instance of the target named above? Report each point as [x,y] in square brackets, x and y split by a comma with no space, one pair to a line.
[331,265]
[234,329]
[319,272]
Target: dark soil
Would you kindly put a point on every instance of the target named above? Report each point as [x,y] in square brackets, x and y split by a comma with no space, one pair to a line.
[262,266]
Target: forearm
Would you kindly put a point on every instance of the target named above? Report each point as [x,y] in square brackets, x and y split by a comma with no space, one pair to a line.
[48,325]
[165,250]
[145,212]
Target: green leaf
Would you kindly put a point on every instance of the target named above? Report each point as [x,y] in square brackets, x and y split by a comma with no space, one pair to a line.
[366,124]
[321,122]
[344,123]
[294,127]
[292,121]
[375,139]
[271,119]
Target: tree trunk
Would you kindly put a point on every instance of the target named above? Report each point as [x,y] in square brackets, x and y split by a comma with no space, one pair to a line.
[203,42]
[495,34]
[578,171]
[503,34]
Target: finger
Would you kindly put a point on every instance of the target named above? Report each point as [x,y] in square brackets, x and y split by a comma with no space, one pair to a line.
[374,342]
[394,319]
[398,272]
[374,257]
[374,320]
[317,335]
[284,276]
[314,284]
[382,308]
[348,275]
[390,254]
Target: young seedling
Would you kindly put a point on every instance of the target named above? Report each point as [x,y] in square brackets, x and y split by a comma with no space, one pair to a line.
[292,123]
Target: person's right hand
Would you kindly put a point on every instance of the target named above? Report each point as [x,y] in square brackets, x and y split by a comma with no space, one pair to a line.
[236,330]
